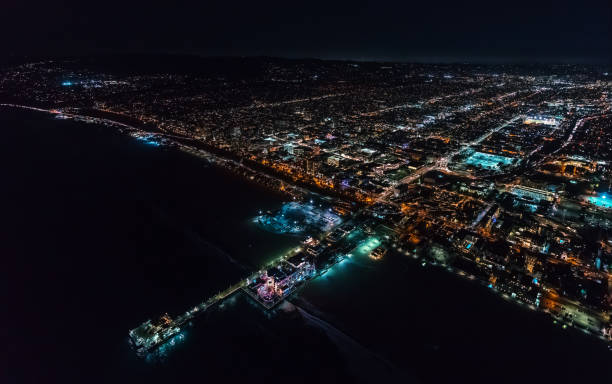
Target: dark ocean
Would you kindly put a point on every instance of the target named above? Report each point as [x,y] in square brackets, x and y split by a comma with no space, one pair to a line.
[100,232]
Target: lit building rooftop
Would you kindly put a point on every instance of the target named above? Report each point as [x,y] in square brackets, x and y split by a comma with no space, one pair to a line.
[488,161]
[603,201]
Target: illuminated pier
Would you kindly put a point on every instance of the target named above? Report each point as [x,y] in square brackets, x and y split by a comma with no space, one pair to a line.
[268,286]
[150,335]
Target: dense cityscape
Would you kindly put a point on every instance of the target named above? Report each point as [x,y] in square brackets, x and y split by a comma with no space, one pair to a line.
[500,174]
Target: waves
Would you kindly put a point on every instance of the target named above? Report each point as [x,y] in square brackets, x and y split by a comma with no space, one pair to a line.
[197,240]
[362,363]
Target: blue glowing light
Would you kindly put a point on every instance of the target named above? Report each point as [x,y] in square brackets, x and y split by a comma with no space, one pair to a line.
[67,83]
[296,218]
[601,201]
[488,161]
[468,246]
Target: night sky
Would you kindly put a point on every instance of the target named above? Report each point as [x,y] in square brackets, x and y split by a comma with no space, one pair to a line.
[433,31]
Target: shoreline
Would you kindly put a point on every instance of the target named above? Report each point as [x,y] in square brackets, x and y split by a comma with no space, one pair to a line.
[179,143]
[250,170]
[465,275]
[218,155]
[263,179]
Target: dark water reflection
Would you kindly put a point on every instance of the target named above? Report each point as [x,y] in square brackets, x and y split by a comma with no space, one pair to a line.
[100,232]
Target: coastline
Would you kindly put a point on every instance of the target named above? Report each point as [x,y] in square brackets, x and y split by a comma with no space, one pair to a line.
[281,180]
[265,180]
[232,165]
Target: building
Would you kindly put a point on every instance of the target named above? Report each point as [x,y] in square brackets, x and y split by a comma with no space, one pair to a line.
[532,193]
[334,161]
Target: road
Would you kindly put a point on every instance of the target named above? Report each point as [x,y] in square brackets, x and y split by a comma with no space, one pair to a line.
[442,162]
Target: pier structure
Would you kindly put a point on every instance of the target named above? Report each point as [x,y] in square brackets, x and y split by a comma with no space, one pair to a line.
[150,335]
[268,287]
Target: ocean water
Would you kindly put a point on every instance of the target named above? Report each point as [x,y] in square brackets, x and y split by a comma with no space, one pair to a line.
[100,232]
